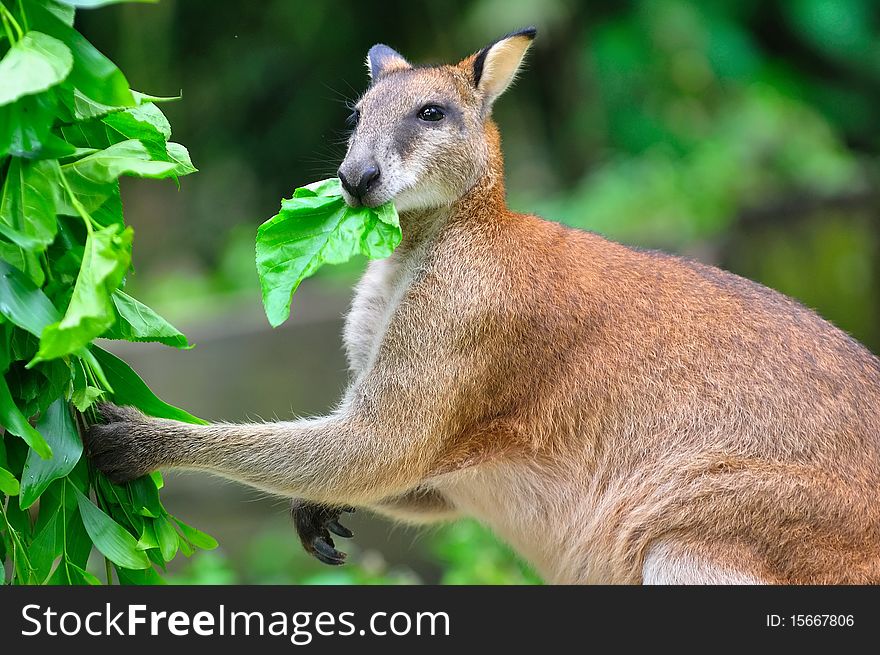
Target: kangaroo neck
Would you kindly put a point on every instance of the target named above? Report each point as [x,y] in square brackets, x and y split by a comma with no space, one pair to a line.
[484,201]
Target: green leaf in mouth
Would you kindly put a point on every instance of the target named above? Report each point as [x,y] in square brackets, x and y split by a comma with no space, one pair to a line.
[313,228]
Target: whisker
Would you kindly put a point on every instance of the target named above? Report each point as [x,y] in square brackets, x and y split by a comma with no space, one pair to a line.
[344,98]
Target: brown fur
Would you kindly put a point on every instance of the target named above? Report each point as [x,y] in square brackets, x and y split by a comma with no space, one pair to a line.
[592,403]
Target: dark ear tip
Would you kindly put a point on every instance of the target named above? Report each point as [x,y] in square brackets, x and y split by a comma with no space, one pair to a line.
[530,32]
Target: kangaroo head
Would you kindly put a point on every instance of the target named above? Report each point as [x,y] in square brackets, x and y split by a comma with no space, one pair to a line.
[422,136]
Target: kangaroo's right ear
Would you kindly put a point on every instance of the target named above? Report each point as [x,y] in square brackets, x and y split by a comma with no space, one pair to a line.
[495,66]
[382,60]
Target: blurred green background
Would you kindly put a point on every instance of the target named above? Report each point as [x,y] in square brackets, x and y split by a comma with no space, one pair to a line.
[743,133]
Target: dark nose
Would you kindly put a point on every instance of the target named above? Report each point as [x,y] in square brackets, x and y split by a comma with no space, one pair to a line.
[367,179]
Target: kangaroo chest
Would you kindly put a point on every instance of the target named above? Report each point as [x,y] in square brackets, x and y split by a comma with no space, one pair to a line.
[377,296]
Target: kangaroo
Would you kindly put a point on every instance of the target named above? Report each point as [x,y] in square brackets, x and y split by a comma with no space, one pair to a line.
[616,415]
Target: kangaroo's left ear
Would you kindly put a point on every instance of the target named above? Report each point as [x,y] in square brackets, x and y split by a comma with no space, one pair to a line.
[494,67]
[382,60]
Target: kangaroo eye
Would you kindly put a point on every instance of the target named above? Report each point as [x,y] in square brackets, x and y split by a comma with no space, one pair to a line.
[353,118]
[431,113]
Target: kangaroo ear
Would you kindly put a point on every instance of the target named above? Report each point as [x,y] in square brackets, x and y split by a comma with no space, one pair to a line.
[496,65]
[382,60]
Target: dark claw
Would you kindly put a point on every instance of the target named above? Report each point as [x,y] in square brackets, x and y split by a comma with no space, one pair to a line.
[314,523]
[330,561]
[324,551]
[339,530]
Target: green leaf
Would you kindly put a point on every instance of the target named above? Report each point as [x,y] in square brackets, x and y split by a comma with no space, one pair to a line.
[84,576]
[110,210]
[90,312]
[23,303]
[145,123]
[196,537]
[329,188]
[148,538]
[25,125]
[92,74]
[48,545]
[84,398]
[168,539]
[62,12]
[146,112]
[87,357]
[145,497]
[316,227]
[140,578]
[143,98]
[48,381]
[8,484]
[387,213]
[85,108]
[71,574]
[57,427]
[34,64]
[50,147]
[180,156]
[137,322]
[185,547]
[27,205]
[19,532]
[129,389]
[23,261]
[16,423]
[79,543]
[129,157]
[100,199]
[114,542]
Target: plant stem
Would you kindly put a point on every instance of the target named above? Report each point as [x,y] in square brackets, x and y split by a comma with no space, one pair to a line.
[109,570]
[47,267]
[18,549]
[89,374]
[64,527]
[8,18]
[77,205]
[24,19]
[7,28]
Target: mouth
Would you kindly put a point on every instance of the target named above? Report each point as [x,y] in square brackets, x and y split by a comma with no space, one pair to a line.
[372,199]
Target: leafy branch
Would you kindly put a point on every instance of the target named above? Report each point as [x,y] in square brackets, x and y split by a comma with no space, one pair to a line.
[70,127]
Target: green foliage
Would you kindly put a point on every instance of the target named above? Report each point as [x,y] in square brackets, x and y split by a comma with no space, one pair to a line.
[719,131]
[34,63]
[466,552]
[272,556]
[69,128]
[57,427]
[470,554]
[313,228]
[109,537]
